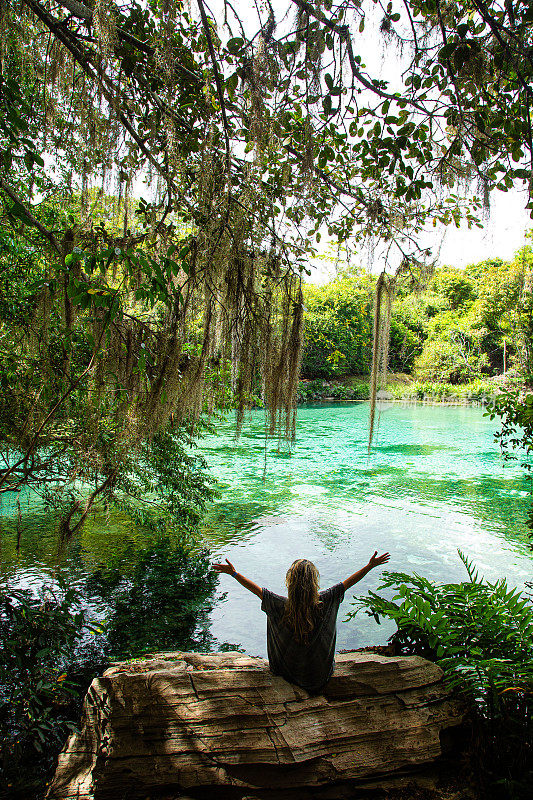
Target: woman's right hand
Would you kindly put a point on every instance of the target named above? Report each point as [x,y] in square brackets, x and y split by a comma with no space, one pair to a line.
[228,567]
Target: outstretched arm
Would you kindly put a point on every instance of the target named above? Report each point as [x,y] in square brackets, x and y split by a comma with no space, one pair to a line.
[375,561]
[229,569]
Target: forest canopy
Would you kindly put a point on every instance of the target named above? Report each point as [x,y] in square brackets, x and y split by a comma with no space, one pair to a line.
[167,171]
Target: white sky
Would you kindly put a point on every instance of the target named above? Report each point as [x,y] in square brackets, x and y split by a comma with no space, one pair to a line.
[502,236]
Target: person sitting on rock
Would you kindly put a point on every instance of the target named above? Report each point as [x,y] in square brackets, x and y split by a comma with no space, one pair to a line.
[301,629]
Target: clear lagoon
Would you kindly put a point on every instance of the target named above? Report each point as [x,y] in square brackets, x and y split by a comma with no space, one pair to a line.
[433,482]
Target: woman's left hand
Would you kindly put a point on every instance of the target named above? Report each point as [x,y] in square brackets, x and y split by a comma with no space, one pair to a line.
[376,561]
[228,567]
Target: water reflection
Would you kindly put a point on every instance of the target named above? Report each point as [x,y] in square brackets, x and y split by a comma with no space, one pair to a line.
[433,482]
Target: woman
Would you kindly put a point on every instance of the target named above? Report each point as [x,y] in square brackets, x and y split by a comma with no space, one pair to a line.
[301,629]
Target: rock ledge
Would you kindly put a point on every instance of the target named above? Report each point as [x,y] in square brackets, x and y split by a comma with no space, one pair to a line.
[221,725]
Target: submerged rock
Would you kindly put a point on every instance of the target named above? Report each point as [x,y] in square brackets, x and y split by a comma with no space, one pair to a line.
[221,725]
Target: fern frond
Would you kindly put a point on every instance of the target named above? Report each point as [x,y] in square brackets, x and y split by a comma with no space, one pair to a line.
[473,574]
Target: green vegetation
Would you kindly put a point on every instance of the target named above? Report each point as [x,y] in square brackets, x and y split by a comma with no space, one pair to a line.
[248,147]
[53,643]
[78,421]
[477,391]
[481,634]
[401,387]
[47,660]
[461,337]
[123,318]
[516,434]
[338,330]
[515,411]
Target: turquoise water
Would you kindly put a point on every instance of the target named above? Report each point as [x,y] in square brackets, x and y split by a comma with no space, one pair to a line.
[434,482]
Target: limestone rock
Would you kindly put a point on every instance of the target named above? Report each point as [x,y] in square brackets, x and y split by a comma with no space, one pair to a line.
[221,725]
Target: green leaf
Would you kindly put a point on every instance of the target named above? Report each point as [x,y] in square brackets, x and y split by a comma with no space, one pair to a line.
[231,83]
[235,45]
[446,51]
[29,160]
[18,210]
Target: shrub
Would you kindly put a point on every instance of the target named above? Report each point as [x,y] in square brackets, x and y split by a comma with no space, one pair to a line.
[337,337]
[452,357]
[312,390]
[342,392]
[514,407]
[309,391]
[476,391]
[454,285]
[47,660]
[404,347]
[481,634]
[359,391]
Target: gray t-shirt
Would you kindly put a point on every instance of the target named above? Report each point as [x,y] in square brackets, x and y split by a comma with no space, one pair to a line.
[308,665]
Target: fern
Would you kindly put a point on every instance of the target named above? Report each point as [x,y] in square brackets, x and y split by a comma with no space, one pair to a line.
[469,566]
[481,634]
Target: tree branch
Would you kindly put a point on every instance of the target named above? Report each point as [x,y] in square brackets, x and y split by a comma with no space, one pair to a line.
[35,222]
[81,11]
[220,91]
[343,31]
[83,59]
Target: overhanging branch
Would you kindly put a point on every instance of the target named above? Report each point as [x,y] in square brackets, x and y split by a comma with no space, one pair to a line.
[81,11]
[35,222]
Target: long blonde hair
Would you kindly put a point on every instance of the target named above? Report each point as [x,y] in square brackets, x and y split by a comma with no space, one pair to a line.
[303,601]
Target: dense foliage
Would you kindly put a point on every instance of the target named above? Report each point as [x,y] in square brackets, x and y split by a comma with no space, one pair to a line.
[253,132]
[47,660]
[514,408]
[463,326]
[516,434]
[478,321]
[123,316]
[338,330]
[481,634]
[54,642]
[89,451]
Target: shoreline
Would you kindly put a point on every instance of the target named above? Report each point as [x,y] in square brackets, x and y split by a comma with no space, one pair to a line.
[410,400]
[402,388]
